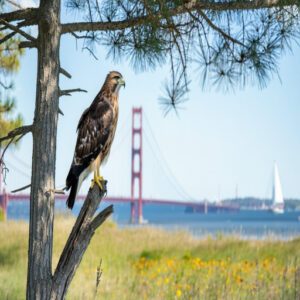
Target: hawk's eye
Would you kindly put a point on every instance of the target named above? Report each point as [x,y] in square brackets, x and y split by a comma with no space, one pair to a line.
[116,77]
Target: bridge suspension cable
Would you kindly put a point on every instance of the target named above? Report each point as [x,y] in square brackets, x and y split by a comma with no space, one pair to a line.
[123,133]
[19,160]
[16,169]
[159,165]
[164,164]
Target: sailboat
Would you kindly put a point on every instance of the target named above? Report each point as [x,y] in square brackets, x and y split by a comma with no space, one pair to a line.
[277,197]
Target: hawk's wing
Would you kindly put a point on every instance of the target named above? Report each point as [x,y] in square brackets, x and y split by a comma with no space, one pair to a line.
[93,129]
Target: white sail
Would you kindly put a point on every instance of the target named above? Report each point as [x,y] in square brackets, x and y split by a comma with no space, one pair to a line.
[277,197]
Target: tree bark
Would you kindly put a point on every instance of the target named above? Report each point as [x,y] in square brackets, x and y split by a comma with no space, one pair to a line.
[39,277]
[181,9]
[78,241]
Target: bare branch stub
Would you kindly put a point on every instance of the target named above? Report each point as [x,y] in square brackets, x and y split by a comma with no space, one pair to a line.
[60,111]
[21,188]
[59,192]
[79,239]
[65,73]
[68,92]
[27,44]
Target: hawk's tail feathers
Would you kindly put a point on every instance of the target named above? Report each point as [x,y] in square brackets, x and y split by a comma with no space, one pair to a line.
[72,195]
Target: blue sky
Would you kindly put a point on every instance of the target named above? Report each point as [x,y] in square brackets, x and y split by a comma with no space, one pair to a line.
[218,142]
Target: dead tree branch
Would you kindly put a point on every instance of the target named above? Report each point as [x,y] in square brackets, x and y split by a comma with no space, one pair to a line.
[79,239]
[65,73]
[16,132]
[21,188]
[7,37]
[60,111]
[68,92]
[18,30]
[3,153]
[55,191]
[27,44]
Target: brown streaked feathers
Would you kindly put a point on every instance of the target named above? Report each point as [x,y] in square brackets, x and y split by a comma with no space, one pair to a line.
[96,130]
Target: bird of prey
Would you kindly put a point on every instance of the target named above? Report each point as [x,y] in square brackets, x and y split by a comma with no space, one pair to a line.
[96,130]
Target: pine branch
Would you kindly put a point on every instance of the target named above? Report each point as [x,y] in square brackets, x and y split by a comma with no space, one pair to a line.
[6,87]
[15,4]
[28,14]
[91,52]
[81,36]
[181,9]
[218,29]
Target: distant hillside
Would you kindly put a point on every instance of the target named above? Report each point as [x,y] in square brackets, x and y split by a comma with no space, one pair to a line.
[254,203]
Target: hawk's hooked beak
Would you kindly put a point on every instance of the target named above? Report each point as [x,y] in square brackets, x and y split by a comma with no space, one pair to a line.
[121,82]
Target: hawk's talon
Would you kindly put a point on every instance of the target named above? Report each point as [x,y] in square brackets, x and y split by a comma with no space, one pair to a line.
[98,180]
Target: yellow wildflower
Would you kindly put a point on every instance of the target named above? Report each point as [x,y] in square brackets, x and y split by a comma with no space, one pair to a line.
[178,293]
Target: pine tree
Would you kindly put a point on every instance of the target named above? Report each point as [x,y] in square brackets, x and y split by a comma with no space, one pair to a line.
[8,123]
[9,63]
[233,42]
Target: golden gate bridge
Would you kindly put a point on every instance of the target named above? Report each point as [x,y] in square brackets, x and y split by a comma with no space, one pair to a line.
[136,199]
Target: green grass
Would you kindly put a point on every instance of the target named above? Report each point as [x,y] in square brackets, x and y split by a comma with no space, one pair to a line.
[147,263]
[2,216]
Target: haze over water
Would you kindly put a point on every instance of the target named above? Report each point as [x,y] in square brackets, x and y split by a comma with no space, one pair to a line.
[246,224]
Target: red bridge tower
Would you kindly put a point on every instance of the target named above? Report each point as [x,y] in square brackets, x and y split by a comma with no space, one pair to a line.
[136,166]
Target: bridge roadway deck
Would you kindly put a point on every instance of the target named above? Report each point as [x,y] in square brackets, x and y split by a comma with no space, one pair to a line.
[197,205]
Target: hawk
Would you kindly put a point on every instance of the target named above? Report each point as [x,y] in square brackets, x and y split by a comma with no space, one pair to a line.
[96,130]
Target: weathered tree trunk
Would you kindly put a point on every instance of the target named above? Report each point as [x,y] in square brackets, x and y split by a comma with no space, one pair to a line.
[78,241]
[39,278]
[41,284]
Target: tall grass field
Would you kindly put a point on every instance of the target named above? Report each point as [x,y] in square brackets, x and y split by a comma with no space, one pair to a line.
[148,263]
